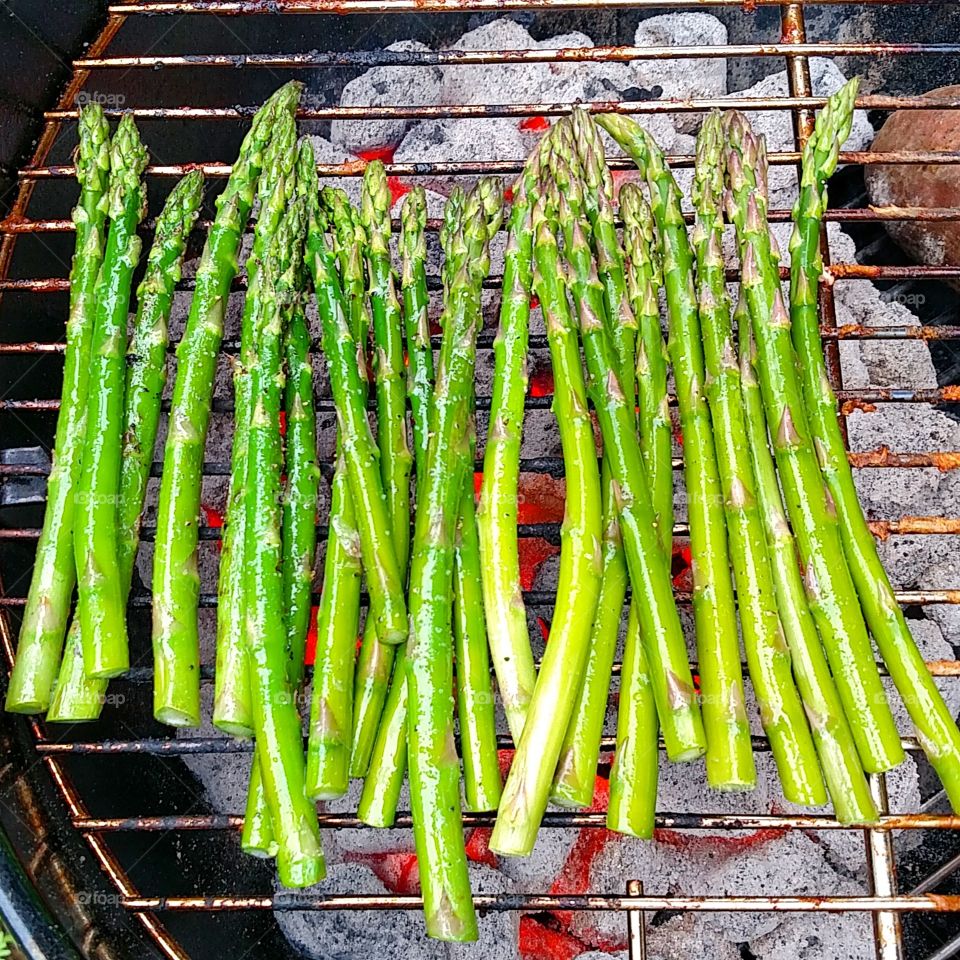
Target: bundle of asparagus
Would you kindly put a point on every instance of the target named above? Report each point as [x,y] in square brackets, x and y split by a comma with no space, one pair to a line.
[773,513]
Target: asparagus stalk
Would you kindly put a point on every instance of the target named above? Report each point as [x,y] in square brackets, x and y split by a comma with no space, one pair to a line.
[344,353]
[506,619]
[276,720]
[338,617]
[373,666]
[527,788]
[767,652]
[576,771]
[829,588]
[475,703]
[175,579]
[381,789]
[598,197]
[298,519]
[632,803]
[232,711]
[645,278]
[303,481]
[649,572]
[434,768]
[849,790]
[47,612]
[381,753]
[936,727]
[76,696]
[101,604]
[633,777]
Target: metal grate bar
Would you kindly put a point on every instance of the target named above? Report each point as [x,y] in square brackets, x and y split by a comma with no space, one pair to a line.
[274,7]
[782,215]
[552,820]
[545,598]
[430,58]
[928,903]
[218,170]
[884,906]
[481,110]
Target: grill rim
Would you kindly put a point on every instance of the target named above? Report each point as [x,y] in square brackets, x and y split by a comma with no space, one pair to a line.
[885,905]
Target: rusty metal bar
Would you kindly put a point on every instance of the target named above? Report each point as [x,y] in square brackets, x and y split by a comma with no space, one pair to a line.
[550,530]
[430,58]
[882,869]
[482,110]
[190,746]
[852,399]
[928,903]
[233,8]
[869,214]
[554,819]
[836,271]
[546,598]
[851,331]
[880,458]
[219,170]
[636,932]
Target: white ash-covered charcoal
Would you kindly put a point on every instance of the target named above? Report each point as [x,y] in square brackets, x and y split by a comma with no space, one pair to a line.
[441,141]
[815,936]
[498,83]
[323,934]
[686,935]
[933,646]
[929,185]
[794,865]
[498,930]
[777,125]
[331,153]
[682,79]
[400,86]
[875,363]
[223,777]
[844,850]
[944,574]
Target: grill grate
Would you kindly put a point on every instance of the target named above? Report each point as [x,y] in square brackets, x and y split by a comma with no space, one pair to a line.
[884,904]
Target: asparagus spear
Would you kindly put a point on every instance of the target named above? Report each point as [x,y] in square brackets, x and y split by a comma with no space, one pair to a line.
[633,777]
[100,594]
[848,787]
[936,727]
[339,615]
[383,573]
[47,612]
[527,788]
[768,655]
[395,459]
[632,804]
[376,660]
[232,711]
[576,771]
[506,618]
[76,696]
[276,721]
[598,196]
[176,583]
[299,516]
[382,752]
[303,480]
[829,588]
[434,768]
[475,704]
[645,279]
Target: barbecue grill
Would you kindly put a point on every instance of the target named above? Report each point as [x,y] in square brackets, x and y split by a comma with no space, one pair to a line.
[108,852]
